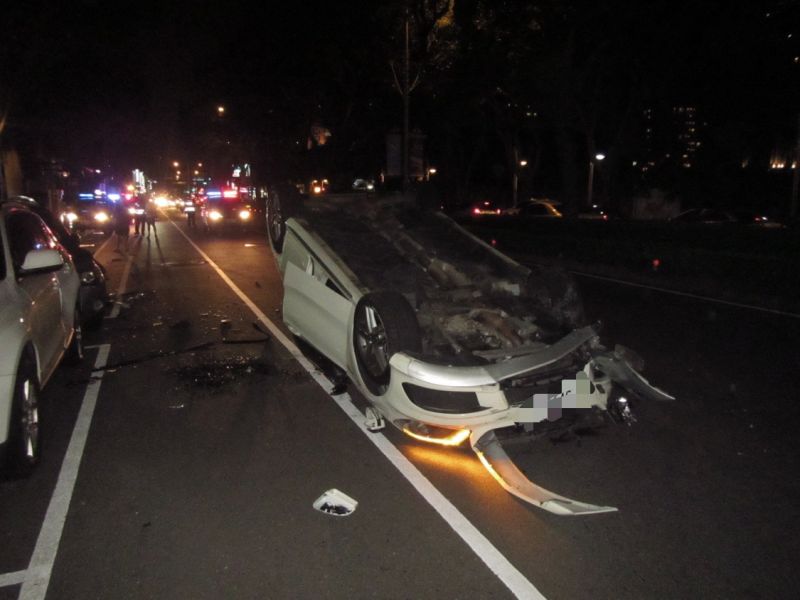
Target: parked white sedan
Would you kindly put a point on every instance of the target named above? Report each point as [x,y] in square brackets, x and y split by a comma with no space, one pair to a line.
[39,324]
[447,338]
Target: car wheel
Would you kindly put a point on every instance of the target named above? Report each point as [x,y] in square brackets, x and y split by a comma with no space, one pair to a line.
[95,321]
[75,351]
[24,441]
[283,202]
[384,324]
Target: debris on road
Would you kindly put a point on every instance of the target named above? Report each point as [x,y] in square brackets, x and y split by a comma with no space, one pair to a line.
[222,372]
[336,503]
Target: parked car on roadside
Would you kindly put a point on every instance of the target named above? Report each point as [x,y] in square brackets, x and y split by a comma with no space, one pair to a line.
[93,291]
[39,324]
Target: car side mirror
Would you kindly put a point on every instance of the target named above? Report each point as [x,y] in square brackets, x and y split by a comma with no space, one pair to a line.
[41,261]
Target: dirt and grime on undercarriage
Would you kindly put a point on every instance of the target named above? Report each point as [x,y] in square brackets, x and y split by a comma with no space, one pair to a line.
[473,304]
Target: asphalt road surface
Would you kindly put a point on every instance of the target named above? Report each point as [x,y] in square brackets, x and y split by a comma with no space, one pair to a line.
[196,453]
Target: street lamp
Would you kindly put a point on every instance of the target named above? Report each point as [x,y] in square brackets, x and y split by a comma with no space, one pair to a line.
[220,110]
[175,164]
[597,157]
[519,164]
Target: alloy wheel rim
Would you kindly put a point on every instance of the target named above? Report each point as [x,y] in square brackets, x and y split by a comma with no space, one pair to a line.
[372,342]
[30,419]
[275,218]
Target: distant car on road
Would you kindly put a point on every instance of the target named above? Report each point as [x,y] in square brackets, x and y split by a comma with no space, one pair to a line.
[91,214]
[485,208]
[363,185]
[715,216]
[536,208]
[225,209]
[39,325]
[595,213]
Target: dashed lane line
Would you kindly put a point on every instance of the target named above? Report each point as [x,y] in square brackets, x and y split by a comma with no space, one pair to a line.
[40,568]
[508,574]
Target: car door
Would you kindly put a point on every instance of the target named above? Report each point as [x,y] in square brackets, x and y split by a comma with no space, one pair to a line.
[314,306]
[42,291]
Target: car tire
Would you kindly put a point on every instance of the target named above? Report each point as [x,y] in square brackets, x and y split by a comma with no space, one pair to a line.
[94,322]
[75,351]
[384,324]
[283,202]
[24,448]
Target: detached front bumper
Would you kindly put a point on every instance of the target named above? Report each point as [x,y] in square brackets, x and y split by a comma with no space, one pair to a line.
[524,390]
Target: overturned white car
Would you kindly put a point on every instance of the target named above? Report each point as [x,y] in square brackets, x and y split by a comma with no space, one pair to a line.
[446,337]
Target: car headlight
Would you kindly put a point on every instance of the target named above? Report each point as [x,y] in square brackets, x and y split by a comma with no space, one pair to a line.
[101,217]
[244,215]
[215,215]
[71,217]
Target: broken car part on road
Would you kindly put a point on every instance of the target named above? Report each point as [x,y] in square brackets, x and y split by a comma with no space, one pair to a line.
[447,338]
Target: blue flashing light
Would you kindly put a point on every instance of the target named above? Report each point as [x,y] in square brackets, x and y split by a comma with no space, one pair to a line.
[86,196]
[113,197]
[213,194]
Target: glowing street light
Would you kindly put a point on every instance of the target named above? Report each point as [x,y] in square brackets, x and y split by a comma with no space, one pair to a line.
[220,110]
[176,164]
[523,163]
[597,157]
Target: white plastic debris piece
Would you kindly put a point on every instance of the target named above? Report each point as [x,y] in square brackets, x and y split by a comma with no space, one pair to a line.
[373,420]
[336,503]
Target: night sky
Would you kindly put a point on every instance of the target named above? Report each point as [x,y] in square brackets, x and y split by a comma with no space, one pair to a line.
[139,82]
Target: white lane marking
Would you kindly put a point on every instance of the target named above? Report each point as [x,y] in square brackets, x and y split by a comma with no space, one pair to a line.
[9,579]
[688,295]
[102,246]
[40,568]
[511,577]
[123,284]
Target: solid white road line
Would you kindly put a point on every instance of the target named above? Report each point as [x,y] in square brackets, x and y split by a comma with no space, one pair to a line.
[103,246]
[37,577]
[123,284]
[9,579]
[688,295]
[512,578]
